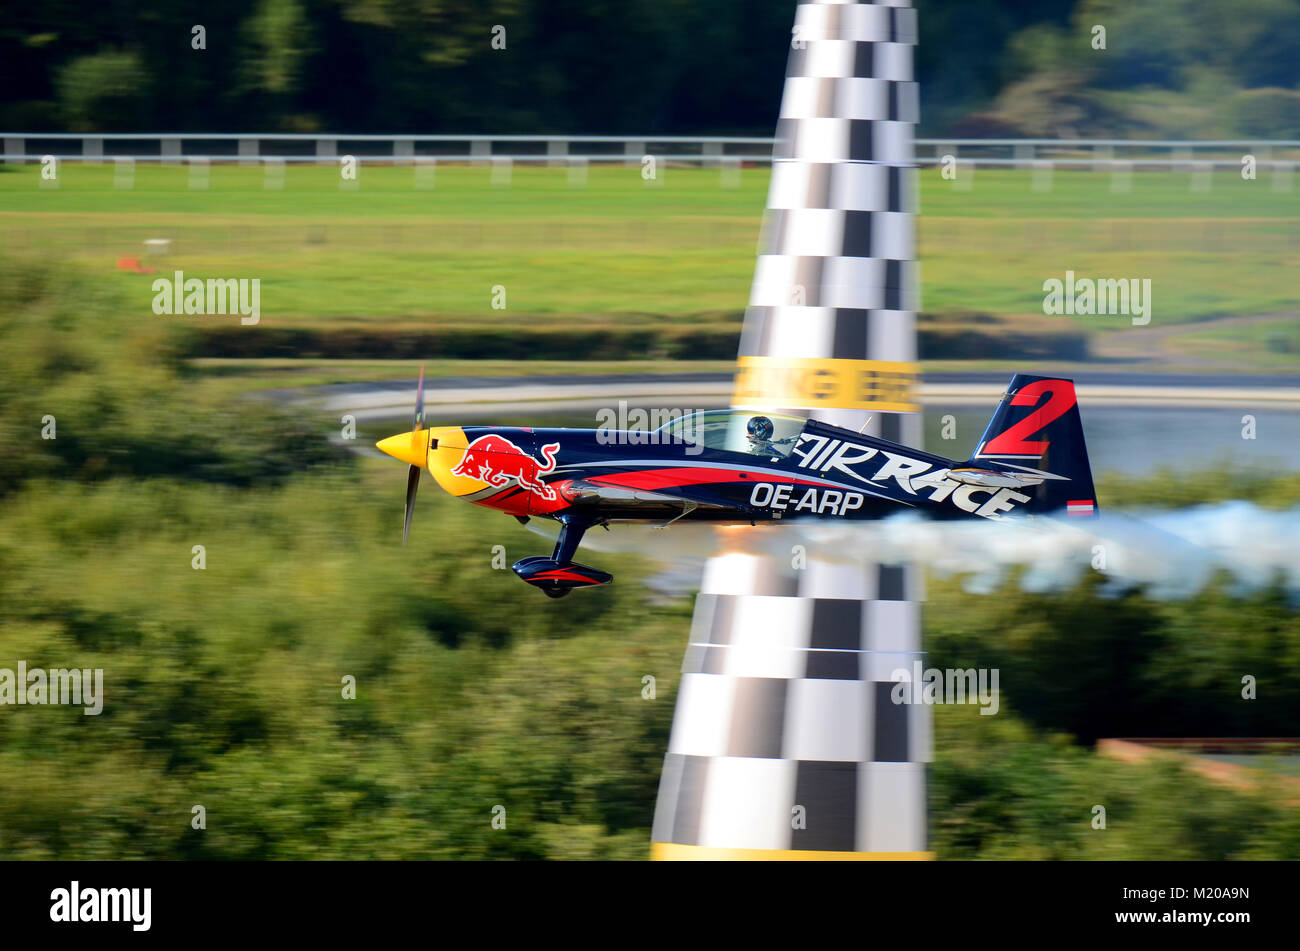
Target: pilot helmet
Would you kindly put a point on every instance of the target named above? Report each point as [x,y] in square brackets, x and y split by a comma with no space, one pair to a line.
[760,427]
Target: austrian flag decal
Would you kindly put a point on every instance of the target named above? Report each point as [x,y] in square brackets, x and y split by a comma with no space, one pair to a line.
[1079,508]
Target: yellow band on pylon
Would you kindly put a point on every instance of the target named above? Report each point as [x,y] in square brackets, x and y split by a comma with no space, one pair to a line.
[674,852]
[815,383]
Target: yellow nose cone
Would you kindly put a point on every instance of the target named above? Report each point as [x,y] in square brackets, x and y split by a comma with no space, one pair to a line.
[412,447]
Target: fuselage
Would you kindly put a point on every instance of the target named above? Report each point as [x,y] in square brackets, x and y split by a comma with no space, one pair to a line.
[820,472]
[741,466]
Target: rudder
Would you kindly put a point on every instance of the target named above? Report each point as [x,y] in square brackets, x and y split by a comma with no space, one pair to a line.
[1037,427]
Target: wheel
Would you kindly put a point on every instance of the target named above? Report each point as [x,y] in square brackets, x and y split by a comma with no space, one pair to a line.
[556,592]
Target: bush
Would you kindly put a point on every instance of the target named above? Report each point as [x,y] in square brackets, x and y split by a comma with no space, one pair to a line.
[105,90]
[1267,113]
[107,385]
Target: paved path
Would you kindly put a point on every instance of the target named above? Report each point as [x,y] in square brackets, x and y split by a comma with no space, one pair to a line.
[476,397]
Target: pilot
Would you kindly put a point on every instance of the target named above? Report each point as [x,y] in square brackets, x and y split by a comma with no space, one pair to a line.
[760,437]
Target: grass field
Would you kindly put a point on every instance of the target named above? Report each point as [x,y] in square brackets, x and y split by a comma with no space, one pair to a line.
[622,251]
[1269,344]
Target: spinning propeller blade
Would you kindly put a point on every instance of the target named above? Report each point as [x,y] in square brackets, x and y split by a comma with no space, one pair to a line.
[412,484]
[413,471]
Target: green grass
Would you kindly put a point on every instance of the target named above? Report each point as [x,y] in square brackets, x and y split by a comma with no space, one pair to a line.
[622,251]
[1269,345]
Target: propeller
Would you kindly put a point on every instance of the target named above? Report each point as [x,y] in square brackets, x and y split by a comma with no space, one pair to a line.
[413,471]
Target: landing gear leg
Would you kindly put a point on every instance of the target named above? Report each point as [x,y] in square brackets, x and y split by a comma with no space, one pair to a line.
[559,574]
[571,532]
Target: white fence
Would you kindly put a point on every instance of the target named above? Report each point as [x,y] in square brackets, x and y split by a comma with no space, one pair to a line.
[1117,155]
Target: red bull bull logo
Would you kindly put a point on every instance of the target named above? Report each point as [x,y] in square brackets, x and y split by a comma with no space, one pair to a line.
[497,461]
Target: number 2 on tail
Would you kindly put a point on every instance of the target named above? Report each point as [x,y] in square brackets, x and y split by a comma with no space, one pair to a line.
[1014,441]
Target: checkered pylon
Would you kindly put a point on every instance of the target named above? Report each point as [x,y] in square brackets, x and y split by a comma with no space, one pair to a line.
[786,742]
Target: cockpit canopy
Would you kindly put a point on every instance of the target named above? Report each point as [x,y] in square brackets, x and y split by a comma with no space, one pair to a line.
[729,430]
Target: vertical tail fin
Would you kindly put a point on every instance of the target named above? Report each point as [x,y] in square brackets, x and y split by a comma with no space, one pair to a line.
[1036,428]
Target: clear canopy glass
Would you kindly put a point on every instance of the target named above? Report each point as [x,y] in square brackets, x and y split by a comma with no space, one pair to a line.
[729,430]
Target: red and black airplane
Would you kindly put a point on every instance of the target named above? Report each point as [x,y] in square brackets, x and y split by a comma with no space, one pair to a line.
[736,466]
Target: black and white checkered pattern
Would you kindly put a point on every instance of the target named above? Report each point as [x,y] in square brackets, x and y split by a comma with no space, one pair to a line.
[785,699]
[836,268]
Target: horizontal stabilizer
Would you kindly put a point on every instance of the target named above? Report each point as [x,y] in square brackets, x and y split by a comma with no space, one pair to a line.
[994,479]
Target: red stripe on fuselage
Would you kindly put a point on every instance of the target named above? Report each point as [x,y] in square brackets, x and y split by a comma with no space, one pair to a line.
[511,499]
[673,478]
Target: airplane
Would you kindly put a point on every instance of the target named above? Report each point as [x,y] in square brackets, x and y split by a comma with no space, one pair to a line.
[736,466]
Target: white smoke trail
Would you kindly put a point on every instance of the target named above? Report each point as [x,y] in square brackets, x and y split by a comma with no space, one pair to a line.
[1172,554]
